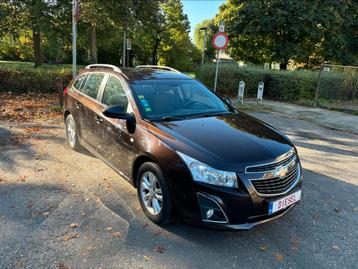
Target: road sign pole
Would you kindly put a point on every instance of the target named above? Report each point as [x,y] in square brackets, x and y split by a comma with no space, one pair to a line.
[124,56]
[219,41]
[217,70]
[74,38]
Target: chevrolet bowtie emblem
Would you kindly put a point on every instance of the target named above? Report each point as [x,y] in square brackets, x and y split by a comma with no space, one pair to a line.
[281,172]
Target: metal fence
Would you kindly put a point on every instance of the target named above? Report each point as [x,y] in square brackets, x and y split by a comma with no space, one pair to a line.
[337,83]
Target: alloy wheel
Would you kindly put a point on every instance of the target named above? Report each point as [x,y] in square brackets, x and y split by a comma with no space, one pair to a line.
[151,193]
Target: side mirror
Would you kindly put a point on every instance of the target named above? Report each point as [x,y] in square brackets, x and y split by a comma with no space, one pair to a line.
[227,100]
[117,112]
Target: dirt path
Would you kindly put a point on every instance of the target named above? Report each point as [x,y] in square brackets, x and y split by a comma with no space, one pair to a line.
[64,209]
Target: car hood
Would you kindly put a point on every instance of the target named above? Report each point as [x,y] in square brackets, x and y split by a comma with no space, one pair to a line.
[228,142]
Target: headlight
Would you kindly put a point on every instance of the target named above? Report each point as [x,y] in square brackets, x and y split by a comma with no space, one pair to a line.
[206,174]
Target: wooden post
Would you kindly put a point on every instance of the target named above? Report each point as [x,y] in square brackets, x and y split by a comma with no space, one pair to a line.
[318,84]
[59,86]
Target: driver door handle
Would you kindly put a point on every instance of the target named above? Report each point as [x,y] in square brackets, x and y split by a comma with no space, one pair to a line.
[99,120]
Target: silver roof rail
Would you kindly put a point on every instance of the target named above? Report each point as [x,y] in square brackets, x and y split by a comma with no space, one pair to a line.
[161,67]
[110,66]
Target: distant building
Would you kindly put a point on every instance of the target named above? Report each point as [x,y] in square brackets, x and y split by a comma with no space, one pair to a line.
[225,58]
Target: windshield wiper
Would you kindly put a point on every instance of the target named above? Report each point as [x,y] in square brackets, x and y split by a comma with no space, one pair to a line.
[170,118]
[210,114]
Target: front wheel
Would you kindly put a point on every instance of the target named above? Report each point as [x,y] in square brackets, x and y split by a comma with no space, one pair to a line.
[153,193]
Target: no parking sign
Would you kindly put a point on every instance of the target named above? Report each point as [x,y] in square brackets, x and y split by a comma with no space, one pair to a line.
[220,41]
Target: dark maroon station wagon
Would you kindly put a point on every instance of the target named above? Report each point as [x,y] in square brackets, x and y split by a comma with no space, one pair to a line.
[189,152]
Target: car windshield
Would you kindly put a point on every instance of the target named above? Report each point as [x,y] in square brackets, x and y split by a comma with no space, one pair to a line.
[176,99]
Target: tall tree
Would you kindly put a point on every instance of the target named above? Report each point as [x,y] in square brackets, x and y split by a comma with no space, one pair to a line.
[280,30]
[212,29]
[170,17]
[28,14]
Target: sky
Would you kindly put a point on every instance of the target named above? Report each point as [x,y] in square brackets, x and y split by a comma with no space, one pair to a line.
[199,10]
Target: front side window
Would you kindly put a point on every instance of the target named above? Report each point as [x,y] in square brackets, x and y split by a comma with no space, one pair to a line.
[176,98]
[114,93]
[93,82]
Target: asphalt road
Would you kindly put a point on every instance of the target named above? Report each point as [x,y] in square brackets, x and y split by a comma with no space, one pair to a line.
[63,209]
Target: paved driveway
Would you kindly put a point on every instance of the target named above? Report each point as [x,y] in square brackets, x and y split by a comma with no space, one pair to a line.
[63,209]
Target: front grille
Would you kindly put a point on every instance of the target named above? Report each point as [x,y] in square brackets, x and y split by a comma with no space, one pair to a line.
[270,166]
[277,185]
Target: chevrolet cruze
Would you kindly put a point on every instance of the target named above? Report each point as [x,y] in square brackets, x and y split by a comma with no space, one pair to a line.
[189,153]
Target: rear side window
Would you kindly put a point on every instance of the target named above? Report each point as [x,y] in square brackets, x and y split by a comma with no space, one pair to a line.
[78,82]
[93,82]
[114,93]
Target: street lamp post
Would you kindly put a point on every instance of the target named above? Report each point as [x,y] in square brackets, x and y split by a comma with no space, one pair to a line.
[204,43]
[75,17]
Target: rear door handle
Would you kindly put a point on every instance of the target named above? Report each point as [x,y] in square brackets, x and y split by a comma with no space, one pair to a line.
[78,105]
[99,120]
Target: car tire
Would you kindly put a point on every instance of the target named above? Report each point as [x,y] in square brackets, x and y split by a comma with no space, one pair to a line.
[71,133]
[151,173]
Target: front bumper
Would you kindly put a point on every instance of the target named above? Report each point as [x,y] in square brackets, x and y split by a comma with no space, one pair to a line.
[241,209]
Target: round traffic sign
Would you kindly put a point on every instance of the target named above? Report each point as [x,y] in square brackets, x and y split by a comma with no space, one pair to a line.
[220,41]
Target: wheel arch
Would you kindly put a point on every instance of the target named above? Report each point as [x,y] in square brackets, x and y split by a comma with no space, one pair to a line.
[65,114]
[138,163]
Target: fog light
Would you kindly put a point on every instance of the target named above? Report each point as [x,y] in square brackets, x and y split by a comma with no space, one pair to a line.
[209,213]
[210,209]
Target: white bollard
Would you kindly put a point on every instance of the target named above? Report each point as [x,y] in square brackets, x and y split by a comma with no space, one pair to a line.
[240,94]
[260,92]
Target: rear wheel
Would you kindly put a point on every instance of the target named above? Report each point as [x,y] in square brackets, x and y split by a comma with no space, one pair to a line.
[153,193]
[71,133]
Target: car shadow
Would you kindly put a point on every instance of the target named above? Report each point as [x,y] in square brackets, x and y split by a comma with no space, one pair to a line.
[309,230]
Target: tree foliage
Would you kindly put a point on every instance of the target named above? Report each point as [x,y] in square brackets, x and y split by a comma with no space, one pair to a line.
[211,29]
[40,30]
[282,30]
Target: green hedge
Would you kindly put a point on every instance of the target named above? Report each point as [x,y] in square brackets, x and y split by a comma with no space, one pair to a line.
[280,85]
[34,80]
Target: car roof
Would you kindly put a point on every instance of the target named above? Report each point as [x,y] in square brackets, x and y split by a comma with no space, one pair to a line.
[133,74]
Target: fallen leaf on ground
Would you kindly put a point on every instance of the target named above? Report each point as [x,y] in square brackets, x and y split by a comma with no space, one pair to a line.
[117,235]
[295,242]
[29,106]
[263,247]
[337,210]
[63,266]
[159,249]
[32,129]
[71,236]
[45,213]
[109,228]
[22,178]
[147,257]
[335,247]
[74,225]
[278,256]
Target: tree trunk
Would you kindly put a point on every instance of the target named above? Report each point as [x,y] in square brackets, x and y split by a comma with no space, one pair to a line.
[155,51]
[93,44]
[36,13]
[283,65]
[37,47]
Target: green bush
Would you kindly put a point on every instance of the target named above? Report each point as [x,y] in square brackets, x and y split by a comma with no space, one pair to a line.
[280,85]
[34,80]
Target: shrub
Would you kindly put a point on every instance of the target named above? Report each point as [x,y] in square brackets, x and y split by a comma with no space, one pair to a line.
[32,80]
[280,85]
